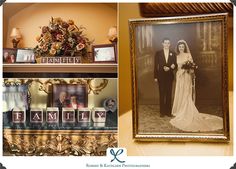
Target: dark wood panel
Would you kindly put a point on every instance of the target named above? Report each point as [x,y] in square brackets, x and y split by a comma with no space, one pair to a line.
[176,9]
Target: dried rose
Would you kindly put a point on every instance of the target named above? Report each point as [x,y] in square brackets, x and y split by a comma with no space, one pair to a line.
[52,51]
[81,41]
[45,29]
[57,46]
[70,39]
[57,21]
[45,48]
[71,28]
[53,45]
[59,37]
[80,46]
[65,25]
[47,37]
[70,22]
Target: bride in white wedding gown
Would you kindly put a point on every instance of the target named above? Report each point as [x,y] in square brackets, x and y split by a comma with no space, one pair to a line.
[187,117]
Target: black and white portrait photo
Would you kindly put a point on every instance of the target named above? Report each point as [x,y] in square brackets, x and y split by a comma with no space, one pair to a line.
[178,72]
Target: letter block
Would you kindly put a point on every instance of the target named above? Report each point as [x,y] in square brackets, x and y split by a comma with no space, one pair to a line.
[99,115]
[84,115]
[36,115]
[18,115]
[68,115]
[52,115]
[77,60]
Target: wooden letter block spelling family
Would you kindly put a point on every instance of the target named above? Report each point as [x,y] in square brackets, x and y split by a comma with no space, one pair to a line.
[84,115]
[18,115]
[36,115]
[68,115]
[99,117]
[55,60]
[51,116]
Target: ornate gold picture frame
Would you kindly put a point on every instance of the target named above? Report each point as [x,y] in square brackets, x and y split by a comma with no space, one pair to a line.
[180,78]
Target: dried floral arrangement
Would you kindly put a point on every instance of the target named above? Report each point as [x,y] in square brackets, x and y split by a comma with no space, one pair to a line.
[62,38]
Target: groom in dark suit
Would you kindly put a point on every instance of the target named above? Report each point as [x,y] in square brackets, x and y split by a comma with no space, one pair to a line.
[164,66]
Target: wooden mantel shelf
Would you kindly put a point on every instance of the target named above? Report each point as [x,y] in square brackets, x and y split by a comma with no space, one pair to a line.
[62,68]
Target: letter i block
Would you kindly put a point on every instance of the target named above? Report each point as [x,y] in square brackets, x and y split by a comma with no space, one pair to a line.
[68,115]
[18,115]
[84,115]
[36,116]
[64,60]
[71,60]
[52,115]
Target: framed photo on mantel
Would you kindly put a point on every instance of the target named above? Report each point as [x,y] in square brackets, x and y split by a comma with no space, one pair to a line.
[180,78]
[105,53]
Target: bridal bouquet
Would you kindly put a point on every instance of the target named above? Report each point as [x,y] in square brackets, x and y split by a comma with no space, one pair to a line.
[62,38]
[189,65]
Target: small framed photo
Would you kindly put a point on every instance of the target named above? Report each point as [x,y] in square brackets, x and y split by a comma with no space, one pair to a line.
[25,56]
[9,55]
[110,104]
[70,95]
[104,53]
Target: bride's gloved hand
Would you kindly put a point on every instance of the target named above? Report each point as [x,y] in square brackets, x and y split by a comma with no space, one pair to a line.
[191,71]
[172,66]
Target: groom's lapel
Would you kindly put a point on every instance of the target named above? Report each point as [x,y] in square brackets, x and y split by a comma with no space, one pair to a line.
[164,57]
[170,54]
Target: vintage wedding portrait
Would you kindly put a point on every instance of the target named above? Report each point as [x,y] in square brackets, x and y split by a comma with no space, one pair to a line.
[178,77]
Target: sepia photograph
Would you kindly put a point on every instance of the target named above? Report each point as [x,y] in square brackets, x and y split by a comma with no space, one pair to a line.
[179,78]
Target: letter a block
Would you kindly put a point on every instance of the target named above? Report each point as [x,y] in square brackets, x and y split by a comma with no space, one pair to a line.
[36,115]
[52,115]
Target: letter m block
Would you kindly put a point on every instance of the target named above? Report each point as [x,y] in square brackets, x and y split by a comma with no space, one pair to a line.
[52,116]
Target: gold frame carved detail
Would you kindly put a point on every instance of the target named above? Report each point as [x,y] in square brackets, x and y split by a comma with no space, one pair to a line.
[58,143]
[46,86]
[178,136]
